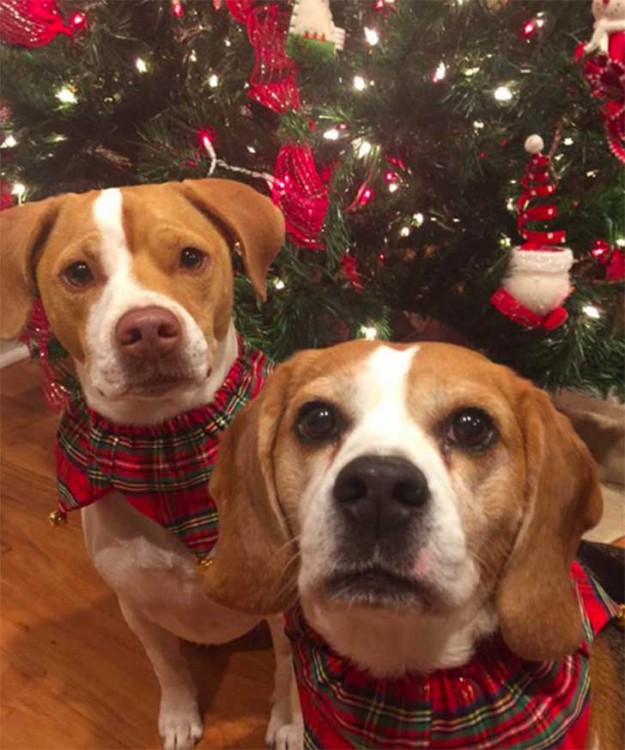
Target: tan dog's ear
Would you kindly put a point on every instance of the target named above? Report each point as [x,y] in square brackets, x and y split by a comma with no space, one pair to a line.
[255,563]
[23,231]
[538,610]
[251,218]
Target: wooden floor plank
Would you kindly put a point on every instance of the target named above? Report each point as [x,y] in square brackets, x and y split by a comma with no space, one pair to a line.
[72,674]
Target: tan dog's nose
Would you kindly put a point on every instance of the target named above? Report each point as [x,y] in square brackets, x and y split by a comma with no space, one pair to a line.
[148,332]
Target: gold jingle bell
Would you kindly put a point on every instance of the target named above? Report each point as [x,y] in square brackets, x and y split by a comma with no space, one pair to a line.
[204,564]
[57,518]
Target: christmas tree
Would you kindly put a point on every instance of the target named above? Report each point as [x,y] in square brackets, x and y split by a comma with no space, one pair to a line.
[398,159]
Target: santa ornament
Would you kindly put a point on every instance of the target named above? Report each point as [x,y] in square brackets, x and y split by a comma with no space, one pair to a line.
[609,30]
[537,281]
[313,29]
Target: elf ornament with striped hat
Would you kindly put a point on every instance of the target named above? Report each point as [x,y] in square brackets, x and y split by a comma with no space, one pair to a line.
[537,282]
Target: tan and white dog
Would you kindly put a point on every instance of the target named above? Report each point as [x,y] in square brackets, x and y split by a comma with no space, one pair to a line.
[420,500]
[137,284]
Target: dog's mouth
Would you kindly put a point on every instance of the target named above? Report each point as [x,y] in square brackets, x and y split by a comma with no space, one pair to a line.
[377,586]
[158,386]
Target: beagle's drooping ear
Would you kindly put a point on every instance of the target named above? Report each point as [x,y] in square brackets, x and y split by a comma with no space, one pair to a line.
[249,217]
[254,568]
[538,609]
[23,231]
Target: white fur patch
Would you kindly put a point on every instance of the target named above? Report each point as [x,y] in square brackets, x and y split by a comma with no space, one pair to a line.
[102,377]
[383,426]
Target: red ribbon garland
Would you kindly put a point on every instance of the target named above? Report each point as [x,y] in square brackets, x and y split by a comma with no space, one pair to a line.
[274,79]
[30,23]
[537,183]
[607,80]
[300,193]
[298,190]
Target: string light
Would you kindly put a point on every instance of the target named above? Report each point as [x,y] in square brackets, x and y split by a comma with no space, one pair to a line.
[529,28]
[362,148]
[568,141]
[177,9]
[470,71]
[478,125]
[78,21]
[370,333]
[591,311]
[213,81]
[332,134]
[505,241]
[359,83]
[502,94]
[620,242]
[440,72]
[66,95]
[251,149]
[141,65]
[193,56]
[9,142]
[393,187]
[419,219]
[404,232]
[372,36]
[18,190]
[279,284]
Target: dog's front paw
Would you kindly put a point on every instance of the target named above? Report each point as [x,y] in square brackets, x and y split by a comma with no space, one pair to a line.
[284,736]
[179,722]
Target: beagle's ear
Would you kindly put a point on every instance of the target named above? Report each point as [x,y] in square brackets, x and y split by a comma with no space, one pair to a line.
[254,223]
[538,609]
[254,568]
[23,232]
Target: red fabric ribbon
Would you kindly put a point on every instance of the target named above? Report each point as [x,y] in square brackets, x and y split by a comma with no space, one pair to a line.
[30,23]
[509,306]
[350,269]
[274,79]
[538,183]
[300,193]
[611,258]
[57,379]
[607,80]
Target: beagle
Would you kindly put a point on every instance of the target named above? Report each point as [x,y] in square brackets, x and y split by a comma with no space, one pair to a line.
[137,284]
[425,506]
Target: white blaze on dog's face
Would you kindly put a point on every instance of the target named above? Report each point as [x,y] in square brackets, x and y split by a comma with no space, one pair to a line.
[427,495]
[137,282]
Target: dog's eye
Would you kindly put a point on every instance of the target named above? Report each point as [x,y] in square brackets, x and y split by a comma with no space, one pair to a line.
[78,274]
[192,259]
[471,429]
[317,421]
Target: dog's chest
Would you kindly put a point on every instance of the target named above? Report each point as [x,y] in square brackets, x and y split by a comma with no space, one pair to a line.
[161,470]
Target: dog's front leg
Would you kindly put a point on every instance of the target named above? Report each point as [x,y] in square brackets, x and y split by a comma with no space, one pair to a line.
[179,721]
[286,727]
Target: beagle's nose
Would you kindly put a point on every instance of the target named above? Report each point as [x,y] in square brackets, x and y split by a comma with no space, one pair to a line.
[148,332]
[380,492]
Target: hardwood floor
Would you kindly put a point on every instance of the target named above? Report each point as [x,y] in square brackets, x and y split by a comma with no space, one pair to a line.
[72,674]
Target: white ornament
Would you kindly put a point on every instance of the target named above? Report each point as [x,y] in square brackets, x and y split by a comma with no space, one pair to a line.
[312,20]
[539,279]
[609,18]
[534,144]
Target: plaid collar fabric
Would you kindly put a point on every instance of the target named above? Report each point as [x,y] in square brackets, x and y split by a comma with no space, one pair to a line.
[162,470]
[495,701]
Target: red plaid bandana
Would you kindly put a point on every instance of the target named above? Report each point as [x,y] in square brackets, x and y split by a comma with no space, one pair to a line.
[162,470]
[495,701]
